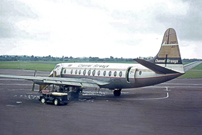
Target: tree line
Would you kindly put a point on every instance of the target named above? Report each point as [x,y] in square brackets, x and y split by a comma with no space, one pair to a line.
[77,59]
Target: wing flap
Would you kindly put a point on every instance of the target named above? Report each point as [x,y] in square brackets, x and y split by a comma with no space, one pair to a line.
[62,83]
[85,85]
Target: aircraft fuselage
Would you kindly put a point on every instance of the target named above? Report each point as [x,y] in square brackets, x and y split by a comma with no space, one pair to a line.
[116,76]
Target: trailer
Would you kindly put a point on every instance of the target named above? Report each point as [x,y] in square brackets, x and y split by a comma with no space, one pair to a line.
[56,98]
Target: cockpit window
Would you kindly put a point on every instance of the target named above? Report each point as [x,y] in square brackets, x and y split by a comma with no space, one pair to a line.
[57,66]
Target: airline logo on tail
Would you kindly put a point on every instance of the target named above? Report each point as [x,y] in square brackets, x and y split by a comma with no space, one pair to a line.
[169,52]
[169,61]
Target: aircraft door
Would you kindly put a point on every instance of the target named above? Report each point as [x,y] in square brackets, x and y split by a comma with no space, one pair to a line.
[135,72]
[128,74]
[131,75]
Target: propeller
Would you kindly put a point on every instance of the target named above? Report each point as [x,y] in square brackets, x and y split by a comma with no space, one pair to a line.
[33,86]
[44,86]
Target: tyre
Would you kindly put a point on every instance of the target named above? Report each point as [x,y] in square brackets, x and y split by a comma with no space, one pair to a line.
[56,101]
[117,93]
[43,100]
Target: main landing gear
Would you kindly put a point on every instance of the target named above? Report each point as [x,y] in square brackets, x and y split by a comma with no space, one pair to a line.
[117,93]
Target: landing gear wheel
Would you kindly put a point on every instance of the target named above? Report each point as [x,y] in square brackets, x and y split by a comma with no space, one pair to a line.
[43,100]
[56,101]
[117,93]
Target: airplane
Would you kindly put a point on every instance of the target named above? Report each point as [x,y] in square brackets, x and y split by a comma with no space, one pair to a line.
[74,77]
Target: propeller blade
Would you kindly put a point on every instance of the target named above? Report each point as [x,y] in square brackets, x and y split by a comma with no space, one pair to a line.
[35,72]
[33,86]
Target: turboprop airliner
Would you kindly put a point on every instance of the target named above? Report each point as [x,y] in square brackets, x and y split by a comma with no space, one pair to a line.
[74,77]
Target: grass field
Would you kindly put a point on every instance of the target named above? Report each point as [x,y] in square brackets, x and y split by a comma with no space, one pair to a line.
[27,65]
[192,74]
[196,72]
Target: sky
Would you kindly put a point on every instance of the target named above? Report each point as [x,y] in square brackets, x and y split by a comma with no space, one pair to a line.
[98,28]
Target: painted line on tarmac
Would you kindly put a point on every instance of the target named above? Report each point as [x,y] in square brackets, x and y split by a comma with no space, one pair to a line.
[181,84]
[100,93]
[157,98]
[103,94]
[2,84]
[28,96]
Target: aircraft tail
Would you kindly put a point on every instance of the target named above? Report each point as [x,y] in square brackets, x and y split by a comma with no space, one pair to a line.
[168,59]
[169,53]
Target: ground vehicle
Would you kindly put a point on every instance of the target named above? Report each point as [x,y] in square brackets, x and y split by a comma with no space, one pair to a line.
[54,97]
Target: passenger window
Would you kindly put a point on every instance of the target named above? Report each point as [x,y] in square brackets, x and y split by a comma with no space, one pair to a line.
[93,72]
[79,72]
[75,71]
[64,71]
[89,72]
[140,72]
[71,71]
[104,73]
[120,73]
[98,73]
[110,73]
[84,72]
[115,73]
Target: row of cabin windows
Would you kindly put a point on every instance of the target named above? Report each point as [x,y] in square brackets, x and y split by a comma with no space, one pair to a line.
[94,73]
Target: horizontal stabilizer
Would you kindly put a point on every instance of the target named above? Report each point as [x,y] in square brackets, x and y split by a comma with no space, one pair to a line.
[191,65]
[154,67]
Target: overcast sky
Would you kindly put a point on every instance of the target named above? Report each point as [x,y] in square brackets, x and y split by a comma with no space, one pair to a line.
[98,28]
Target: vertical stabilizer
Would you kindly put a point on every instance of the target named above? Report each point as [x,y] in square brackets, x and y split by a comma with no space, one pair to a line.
[169,53]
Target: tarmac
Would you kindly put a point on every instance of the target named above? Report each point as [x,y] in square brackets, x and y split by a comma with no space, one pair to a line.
[170,108]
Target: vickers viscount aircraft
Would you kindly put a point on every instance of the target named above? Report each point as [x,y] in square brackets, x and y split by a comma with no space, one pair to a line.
[74,77]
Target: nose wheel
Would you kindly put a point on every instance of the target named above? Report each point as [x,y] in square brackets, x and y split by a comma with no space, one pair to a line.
[117,93]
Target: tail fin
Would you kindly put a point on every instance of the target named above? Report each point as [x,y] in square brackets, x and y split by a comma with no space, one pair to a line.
[169,54]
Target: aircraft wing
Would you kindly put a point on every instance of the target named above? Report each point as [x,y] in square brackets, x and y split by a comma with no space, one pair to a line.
[191,65]
[81,82]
